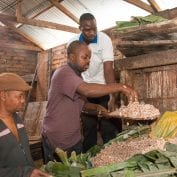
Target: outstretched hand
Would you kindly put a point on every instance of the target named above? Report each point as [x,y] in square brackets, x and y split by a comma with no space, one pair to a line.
[131,94]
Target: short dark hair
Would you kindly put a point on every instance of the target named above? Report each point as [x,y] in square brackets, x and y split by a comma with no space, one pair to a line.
[73,46]
[86,16]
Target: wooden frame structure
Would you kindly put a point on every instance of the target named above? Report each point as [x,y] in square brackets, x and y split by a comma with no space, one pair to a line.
[11,21]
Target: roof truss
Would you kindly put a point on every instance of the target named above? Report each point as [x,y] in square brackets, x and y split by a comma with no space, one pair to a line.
[42,23]
[154,5]
[11,21]
[64,10]
[141,5]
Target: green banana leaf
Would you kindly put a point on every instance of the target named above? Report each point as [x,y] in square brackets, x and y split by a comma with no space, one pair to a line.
[58,169]
[137,21]
[153,163]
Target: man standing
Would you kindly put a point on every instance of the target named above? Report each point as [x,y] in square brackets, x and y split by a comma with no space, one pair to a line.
[100,71]
[15,157]
[67,93]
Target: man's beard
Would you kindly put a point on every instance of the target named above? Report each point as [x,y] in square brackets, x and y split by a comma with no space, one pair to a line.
[76,68]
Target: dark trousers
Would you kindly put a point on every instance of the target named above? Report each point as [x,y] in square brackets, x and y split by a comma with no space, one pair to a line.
[49,152]
[91,124]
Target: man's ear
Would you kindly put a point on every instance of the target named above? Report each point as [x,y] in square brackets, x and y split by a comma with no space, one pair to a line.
[80,27]
[72,57]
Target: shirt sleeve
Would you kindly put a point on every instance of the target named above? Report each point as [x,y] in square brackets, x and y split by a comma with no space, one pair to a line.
[68,83]
[107,48]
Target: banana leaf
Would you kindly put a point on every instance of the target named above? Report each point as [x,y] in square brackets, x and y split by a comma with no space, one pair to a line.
[122,25]
[137,21]
[58,169]
[94,150]
[153,161]
[107,169]
[171,147]
[125,173]
[159,173]
[172,156]
[132,132]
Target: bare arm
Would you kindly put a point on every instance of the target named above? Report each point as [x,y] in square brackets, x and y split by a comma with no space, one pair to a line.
[110,78]
[93,107]
[109,72]
[98,90]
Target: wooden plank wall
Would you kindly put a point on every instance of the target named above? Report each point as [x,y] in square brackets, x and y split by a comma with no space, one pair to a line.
[33,119]
[156,84]
[59,56]
[43,75]
[14,54]
[17,61]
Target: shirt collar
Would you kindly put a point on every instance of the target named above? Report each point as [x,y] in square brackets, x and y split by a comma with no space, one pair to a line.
[81,39]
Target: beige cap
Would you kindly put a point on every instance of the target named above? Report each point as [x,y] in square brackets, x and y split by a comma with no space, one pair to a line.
[12,82]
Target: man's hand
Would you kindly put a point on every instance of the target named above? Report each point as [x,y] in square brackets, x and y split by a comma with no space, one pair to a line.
[102,112]
[100,108]
[131,94]
[38,173]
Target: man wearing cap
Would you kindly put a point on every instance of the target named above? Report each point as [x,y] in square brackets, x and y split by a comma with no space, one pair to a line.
[15,157]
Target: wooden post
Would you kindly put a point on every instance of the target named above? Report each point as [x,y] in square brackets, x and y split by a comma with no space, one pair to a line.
[42,76]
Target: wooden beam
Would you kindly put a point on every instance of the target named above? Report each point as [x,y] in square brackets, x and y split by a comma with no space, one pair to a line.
[11,26]
[168,14]
[20,46]
[154,5]
[64,10]
[144,43]
[18,10]
[42,23]
[45,24]
[39,23]
[148,60]
[165,26]
[141,5]
[37,14]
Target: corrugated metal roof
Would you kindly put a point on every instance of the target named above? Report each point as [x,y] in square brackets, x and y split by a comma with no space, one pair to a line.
[106,13]
[7,6]
[50,38]
[29,8]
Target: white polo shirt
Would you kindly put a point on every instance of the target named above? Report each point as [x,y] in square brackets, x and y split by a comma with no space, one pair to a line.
[102,51]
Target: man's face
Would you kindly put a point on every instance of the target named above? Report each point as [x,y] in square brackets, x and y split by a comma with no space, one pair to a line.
[81,58]
[14,100]
[88,29]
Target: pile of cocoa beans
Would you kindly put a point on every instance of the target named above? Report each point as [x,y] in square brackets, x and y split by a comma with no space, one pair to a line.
[136,110]
[121,151]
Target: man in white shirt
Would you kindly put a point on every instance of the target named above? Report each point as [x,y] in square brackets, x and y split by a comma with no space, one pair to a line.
[100,71]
